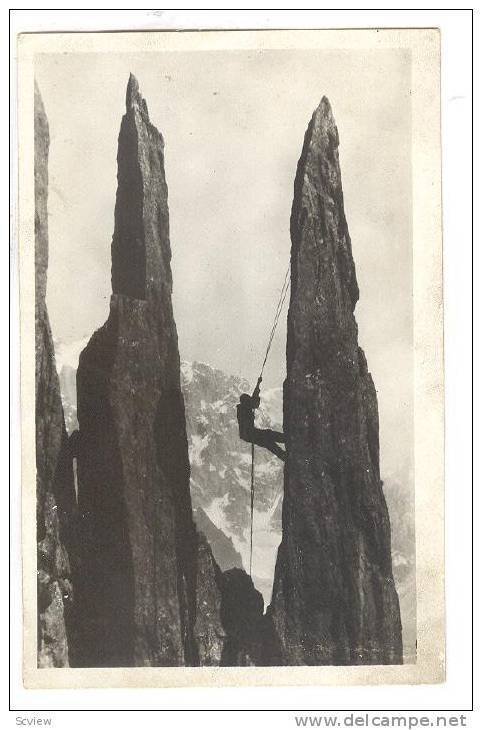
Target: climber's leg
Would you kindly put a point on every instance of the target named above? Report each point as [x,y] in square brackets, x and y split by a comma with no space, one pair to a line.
[277,450]
[265,439]
[277,436]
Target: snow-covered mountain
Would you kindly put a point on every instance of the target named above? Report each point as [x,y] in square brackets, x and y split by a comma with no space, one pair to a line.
[221,472]
[221,465]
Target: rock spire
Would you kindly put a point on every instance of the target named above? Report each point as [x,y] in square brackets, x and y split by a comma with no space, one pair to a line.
[140,544]
[334,598]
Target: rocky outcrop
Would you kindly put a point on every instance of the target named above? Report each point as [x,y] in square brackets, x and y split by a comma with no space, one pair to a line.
[208,630]
[334,599]
[140,544]
[230,628]
[151,591]
[55,487]
[242,617]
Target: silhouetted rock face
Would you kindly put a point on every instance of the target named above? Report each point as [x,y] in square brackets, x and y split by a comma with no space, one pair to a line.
[334,598]
[242,617]
[140,545]
[208,629]
[55,489]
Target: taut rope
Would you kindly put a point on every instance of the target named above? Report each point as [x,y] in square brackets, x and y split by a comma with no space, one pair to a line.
[279,309]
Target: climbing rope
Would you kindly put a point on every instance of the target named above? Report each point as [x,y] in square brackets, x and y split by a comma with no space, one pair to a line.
[279,309]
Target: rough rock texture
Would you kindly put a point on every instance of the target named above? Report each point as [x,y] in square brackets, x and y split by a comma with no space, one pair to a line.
[140,544]
[334,598]
[151,591]
[205,407]
[242,617]
[55,489]
[208,629]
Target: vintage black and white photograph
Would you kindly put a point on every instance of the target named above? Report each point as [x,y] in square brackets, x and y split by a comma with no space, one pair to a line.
[225,393]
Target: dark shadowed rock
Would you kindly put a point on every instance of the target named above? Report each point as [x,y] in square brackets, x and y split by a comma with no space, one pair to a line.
[140,544]
[242,618]
[209,632]
[334,598]
[151,589]
[55,488]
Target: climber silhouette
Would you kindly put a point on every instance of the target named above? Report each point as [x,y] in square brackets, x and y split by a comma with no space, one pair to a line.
[264,437]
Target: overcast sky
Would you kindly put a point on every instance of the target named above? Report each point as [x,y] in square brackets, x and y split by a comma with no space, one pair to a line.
[233,124]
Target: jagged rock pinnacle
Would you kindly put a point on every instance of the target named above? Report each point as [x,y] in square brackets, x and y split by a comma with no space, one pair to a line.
[324,114]
[132,90]
[140,245]
[142,554]
[324,109]
[322,129]
[334,598]
[318,190]
[134,97]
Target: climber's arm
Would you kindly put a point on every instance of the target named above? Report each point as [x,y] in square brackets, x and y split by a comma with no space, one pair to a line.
[255,399]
